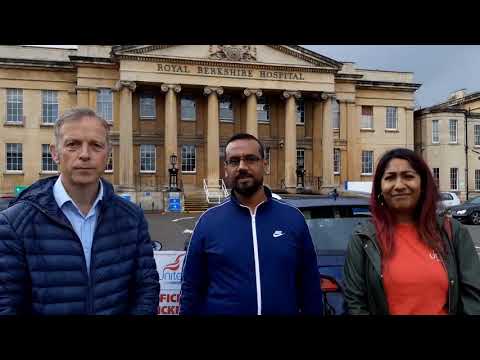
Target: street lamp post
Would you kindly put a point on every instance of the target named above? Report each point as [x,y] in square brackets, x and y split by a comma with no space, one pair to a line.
[173,174]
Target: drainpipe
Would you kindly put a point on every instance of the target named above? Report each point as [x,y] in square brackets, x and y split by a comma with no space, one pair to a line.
[466,152]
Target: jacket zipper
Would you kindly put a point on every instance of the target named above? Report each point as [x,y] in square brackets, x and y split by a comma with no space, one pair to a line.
[257,266]
[255,257]
[449,283]
[89,296]
[92,262]
[381,270]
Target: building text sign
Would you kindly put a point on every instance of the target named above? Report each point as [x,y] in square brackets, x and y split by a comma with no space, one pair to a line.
[237,72]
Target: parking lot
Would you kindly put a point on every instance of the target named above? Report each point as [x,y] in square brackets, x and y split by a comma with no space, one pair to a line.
[173,229]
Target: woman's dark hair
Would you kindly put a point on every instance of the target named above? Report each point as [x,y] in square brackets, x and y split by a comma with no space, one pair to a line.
[424,213]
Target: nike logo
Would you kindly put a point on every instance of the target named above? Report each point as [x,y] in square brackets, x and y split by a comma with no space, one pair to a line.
[278,233]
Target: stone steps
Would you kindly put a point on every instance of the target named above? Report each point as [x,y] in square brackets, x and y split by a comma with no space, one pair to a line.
[195,202]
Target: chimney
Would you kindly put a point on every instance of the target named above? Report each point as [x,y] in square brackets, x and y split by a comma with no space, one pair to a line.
[458,94]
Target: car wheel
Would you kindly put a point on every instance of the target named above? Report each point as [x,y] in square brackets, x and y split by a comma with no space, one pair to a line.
[475,218]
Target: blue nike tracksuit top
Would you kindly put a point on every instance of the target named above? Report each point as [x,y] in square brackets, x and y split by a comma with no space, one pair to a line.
[243,263]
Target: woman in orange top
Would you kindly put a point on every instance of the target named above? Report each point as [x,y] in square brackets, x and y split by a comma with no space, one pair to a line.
[407,261]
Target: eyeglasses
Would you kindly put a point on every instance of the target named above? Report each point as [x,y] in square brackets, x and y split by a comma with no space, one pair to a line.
[249,160]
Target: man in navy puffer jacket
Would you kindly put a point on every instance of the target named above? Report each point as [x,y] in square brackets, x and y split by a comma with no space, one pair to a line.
[68,244]
[252,254]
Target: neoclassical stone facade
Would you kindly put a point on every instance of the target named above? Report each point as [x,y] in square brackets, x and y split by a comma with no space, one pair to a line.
[447,135]
[330,117]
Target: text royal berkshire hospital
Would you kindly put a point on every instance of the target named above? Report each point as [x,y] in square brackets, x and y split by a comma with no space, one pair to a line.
[312,112]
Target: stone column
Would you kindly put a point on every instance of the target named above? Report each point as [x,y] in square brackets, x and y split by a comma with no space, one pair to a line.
[409,126]
[290,139]
[82,97]
[126,135]
[213,135]
[353,171]
[327,142]
[317,137]
[252,94]
[170,143]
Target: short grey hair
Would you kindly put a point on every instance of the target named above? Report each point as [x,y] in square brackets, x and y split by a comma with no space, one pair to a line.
[77,114]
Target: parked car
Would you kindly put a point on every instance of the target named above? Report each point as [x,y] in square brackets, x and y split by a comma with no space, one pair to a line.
[5,201]
[468,212]
[331,222]
[448,199]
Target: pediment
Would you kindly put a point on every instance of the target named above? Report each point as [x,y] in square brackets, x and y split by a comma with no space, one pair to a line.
[282,55]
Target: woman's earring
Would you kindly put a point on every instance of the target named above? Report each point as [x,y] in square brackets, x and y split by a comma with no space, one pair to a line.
[380,199]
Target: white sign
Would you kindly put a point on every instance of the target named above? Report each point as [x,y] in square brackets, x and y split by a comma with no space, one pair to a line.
[169,267]
[361,186]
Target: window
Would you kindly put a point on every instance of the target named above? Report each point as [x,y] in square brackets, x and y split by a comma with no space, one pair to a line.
[188,108]
[147,106]
[188,158]
[336,161]
[109,167]
[367,117]
[263,110]
[452,130]
[49,106]
[48,165]
[15,106]
[301,158]
[147,158]
[391,121]
[435,133]
[267,159]
[14,157]
[454,178]
[477,179]
[336,115]
[436,176]
[105,104]
[300,111]
[367,162]
[476,132]
[226,109]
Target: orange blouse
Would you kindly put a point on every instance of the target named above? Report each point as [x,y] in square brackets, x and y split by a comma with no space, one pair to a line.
[414,278]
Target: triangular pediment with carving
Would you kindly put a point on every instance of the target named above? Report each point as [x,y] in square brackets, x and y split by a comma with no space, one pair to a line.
[282,55]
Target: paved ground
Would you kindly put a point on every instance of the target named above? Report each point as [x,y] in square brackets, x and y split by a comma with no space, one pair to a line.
[475,233]
[173,229]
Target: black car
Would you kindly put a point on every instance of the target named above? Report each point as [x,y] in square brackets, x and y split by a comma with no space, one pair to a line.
[468,212]
[331,221]
[5,201]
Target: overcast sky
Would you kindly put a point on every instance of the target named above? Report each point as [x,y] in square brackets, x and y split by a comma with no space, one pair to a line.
[440,69]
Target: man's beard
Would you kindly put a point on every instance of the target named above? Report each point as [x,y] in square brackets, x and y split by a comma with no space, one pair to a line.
[247,189]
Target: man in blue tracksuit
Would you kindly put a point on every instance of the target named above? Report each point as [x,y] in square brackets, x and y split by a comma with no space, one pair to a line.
[252,254]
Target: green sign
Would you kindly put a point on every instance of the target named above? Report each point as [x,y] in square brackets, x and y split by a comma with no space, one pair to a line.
[19,189]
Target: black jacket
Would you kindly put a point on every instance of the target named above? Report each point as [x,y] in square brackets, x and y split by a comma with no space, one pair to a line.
[43,268]
[364,291]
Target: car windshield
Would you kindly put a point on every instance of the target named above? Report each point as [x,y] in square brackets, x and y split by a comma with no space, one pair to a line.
[474,200]
[446,196]
[325,212]
[331,236]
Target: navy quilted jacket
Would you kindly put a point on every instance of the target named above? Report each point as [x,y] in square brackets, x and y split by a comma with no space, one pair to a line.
[43,268]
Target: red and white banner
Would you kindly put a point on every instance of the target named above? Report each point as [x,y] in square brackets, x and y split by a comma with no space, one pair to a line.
[169,267]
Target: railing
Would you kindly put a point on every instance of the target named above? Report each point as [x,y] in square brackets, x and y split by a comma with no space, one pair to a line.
[226,193]
[309,182]
[219,193]
[313,182]
[205,189]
